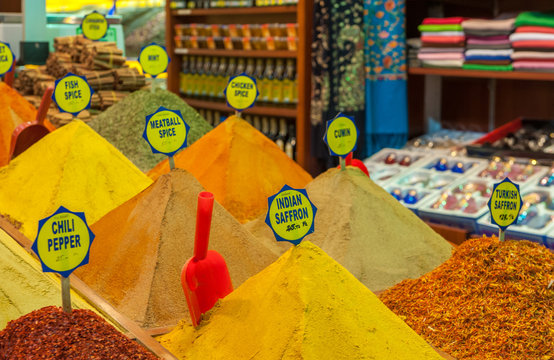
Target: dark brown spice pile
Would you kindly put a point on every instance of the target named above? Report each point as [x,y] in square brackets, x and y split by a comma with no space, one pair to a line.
[490,300]
[50,333]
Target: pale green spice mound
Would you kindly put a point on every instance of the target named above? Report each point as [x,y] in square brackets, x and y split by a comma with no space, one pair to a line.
[123,124]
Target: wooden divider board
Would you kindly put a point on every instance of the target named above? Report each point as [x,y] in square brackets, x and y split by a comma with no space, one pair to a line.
[133,330]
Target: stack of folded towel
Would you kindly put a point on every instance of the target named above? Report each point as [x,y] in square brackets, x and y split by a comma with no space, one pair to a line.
[488,44]
[442,42]
[533,42]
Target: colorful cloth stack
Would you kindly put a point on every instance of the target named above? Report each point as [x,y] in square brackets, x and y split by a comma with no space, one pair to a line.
[488,44]
[533,42]
[442,42]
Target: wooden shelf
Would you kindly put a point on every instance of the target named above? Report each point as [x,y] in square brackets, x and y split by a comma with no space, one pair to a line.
[256,110]
[238,53]
[509,75]
[286,9]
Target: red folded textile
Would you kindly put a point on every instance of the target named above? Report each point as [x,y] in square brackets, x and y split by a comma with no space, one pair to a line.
[551,60]
[460,44]
[535,29]
[443,39]
[443,21]
[522,44]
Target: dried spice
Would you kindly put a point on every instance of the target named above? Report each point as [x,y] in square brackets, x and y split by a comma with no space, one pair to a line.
[240,166]
[123,124]
[366,230]
[491,300]
[50,333]
[142,245]
[303,306]
[73,166]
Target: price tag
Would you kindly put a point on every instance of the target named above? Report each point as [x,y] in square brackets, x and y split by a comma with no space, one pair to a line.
[241,92]
[341,135]
[154,59]
[72,94]
[290,215]
[505,203]
[6,58]
[94,26]
[166,131]
[63,241]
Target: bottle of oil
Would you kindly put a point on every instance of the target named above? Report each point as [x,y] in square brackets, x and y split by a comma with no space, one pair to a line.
[214,78]
[256,122]
[192,89]
[200,77]
[295,85]
[183,77]
[290,145]
[241,66]
[288,82]
[267,81]
[265,126]
[277,83]
[207,77]
[273,129]
[282,136]
[258,75]
[250,67]
[221,78]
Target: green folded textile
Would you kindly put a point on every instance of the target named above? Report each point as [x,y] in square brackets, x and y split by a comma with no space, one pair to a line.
[488,67]
[439,27]
[535,18]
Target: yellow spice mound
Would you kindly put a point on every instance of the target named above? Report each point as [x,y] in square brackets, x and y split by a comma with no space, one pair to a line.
[72,166]
[24,287]
[240,166]
[303,306]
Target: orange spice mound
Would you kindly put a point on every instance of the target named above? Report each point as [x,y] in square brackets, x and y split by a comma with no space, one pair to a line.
[240,166]
[141,246]
[14,110]
[490,300]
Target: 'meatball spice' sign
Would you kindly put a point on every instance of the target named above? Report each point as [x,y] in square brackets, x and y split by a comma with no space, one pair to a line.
[94,26]
[241,92]
[166,132]
[290,215]
[6,58]
[341,135]
[72,94]
[504,205]
[154,59]
[62,244]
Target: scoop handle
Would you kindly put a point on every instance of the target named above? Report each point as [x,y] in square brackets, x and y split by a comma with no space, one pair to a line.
[44,105]
[203,223]
[8,78]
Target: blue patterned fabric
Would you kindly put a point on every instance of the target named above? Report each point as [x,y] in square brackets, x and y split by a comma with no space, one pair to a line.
[385,65]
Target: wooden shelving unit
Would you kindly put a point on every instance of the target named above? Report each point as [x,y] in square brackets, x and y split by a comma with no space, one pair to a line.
[288,9]
[256,110]
[238,53]
[300,13]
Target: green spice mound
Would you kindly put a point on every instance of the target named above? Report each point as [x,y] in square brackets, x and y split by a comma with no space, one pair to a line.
[123,124]
[50,333]
[490,300]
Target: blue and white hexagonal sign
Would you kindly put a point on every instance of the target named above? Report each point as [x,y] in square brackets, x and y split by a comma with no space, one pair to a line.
[166,132]
[63,241]
[505,203]
[291,214]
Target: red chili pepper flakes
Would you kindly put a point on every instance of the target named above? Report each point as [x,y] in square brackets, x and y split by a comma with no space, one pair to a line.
[50,333]
[490,300]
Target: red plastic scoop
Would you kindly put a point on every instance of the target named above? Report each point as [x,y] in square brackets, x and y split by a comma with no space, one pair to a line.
[28,133]
[205,277]
[350,161]
[8,77]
